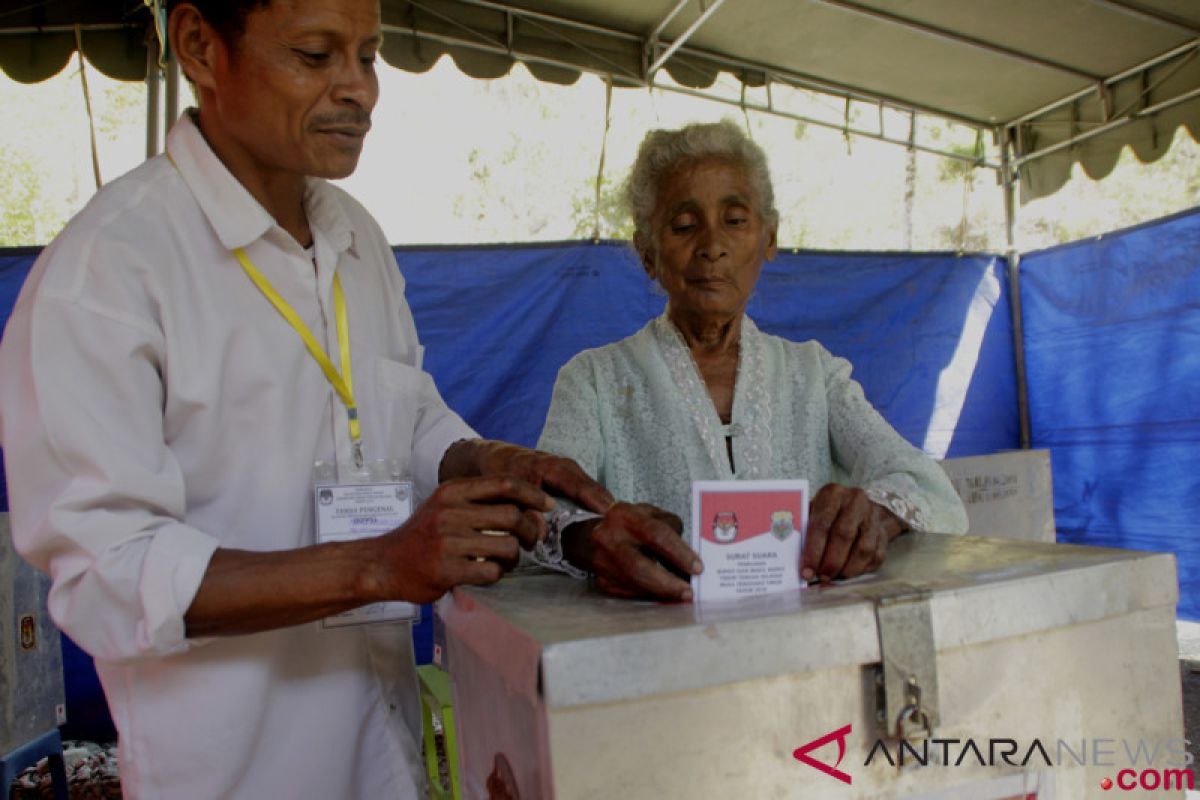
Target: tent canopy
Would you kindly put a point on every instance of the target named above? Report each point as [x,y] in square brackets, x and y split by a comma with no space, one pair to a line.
[1072,80]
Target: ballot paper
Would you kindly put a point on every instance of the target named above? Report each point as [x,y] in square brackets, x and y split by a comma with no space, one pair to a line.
[750,535]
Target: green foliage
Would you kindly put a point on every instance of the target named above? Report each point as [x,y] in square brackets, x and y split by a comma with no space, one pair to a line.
[495,204]
[25,216]
[615,221]
[1131,194]
[120,105]
[953,169]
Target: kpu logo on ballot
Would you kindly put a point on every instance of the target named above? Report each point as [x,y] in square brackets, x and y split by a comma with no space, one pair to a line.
[750,535]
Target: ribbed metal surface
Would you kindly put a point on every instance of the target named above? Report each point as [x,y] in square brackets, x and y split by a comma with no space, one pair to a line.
[31,675]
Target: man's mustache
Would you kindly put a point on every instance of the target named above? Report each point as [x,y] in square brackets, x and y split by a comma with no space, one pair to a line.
[358,119]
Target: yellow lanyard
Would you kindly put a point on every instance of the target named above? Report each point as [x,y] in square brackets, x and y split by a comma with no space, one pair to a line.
[343,382]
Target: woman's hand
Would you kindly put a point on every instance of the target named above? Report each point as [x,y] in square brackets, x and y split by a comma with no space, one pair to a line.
[847,534]
[634,551]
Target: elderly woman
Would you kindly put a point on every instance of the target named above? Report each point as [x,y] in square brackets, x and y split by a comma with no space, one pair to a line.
[701,393]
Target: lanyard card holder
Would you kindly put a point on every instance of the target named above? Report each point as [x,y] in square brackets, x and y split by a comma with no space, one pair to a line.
[354,502]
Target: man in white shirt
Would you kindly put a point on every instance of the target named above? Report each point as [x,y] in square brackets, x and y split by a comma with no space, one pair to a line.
[161,418]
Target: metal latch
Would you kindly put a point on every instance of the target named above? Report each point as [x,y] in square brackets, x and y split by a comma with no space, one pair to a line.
[906,682]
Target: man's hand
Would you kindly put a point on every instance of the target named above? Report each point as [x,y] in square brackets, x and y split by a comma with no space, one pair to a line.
[483,457]
[847,534]
[436,549]
[634,551]
[441,545]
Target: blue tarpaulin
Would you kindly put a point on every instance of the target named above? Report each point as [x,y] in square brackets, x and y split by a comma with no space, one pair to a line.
[14,266]
[497,324]
[1112,343]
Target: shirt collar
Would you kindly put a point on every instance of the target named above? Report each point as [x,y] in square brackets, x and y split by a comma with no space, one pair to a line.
[236,217]
[326,214]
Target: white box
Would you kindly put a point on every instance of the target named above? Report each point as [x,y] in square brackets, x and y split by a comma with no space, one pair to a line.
[1009,494]
[562,693]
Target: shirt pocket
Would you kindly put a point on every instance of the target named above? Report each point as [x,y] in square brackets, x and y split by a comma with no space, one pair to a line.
[390,408]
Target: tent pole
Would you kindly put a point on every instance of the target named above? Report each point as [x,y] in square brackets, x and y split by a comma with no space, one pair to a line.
[152,98]
[1008,177]
[172,91]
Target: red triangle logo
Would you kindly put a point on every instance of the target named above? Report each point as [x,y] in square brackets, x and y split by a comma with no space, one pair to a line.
[801,753]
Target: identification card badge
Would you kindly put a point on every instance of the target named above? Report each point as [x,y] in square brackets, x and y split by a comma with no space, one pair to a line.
[356,503]
[750,536]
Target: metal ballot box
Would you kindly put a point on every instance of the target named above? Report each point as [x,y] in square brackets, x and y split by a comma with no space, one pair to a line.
[31,671]
[968,667]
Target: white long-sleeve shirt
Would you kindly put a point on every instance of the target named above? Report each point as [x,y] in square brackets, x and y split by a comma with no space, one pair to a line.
[155,407]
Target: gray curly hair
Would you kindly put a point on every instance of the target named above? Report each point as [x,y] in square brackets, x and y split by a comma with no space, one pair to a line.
[664,151]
